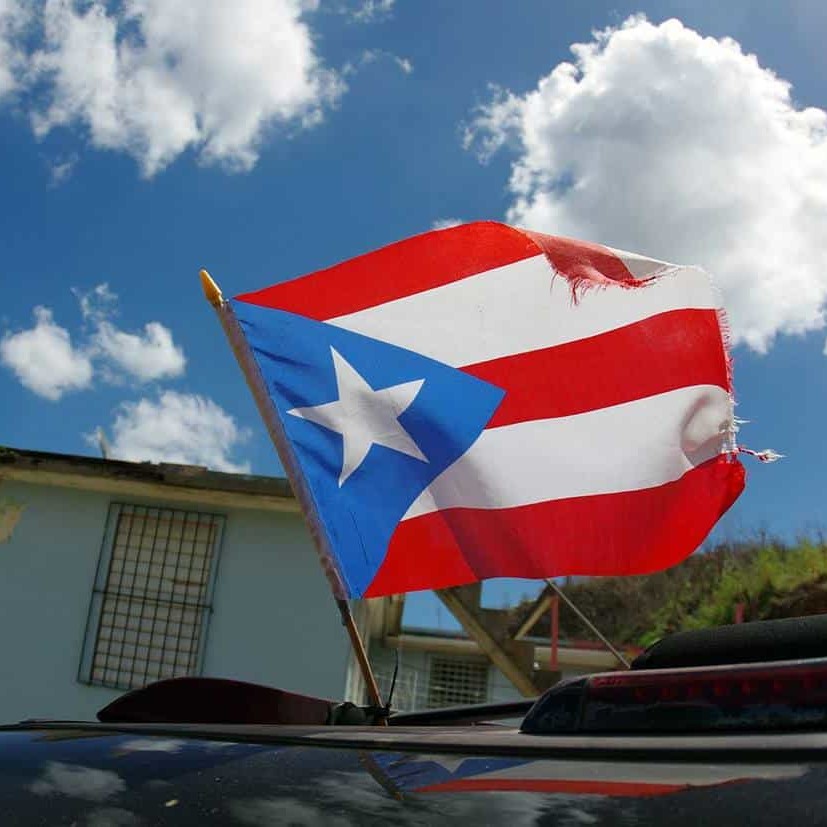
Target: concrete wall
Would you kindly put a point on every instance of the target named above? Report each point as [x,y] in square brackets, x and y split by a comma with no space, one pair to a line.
[273,621]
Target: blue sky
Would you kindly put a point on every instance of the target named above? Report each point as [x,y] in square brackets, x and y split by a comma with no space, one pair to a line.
[267,138]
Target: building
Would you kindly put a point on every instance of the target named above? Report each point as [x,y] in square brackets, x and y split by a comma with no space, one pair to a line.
[439,668]
[114,574]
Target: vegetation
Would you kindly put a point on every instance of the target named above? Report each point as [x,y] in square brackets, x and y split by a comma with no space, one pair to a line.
[769,578]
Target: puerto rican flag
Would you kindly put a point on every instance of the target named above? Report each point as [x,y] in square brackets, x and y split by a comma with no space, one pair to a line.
[484,401]
[417,773]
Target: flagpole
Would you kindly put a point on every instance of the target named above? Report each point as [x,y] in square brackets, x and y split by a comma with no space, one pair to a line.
[255,382]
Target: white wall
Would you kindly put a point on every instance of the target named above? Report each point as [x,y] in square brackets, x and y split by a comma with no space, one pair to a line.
[273,622]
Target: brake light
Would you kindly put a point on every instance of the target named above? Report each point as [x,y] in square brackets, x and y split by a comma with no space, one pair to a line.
[750,696]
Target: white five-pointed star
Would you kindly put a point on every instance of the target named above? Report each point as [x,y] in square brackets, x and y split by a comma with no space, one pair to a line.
[364,416]
[448,762]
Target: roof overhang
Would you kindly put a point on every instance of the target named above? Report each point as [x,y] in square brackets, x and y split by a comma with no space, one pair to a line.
[178,483]
[567,657]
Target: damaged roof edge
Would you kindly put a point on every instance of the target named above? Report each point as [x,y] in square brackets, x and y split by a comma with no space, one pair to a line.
[50,467]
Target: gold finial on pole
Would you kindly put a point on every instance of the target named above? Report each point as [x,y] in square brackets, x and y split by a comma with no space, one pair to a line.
[212,292]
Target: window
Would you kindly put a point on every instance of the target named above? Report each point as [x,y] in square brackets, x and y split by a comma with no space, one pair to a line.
[407,693]
[152,596]
[453,682]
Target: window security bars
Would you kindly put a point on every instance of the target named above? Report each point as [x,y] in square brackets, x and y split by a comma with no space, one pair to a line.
[152,596]
[454,682]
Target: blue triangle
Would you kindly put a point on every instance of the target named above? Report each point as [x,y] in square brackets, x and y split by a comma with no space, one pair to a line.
[450,411]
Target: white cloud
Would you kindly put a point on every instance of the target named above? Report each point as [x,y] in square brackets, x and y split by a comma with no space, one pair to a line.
[178,427]
[77,781]
[445,223]
[155,78]
[97,304]
[44,358]
[47,362]
[681,147]
[146,357]
[404,64]
[370,56]
[13,19]
[170,745]
[371,11]
[61,171]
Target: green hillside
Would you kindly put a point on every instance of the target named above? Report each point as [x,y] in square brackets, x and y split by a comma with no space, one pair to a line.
[770,578]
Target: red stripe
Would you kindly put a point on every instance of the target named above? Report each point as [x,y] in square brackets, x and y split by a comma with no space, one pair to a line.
[432,259]
[583,262]
[410,266]
[635,789]
[672,350]
[633,532]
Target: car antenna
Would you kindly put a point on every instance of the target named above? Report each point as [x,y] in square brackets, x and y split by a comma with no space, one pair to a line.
[393,684]
[606,642]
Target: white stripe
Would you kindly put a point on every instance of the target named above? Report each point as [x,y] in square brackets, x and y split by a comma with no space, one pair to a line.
[626,447]
[519,308]
[640,266]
